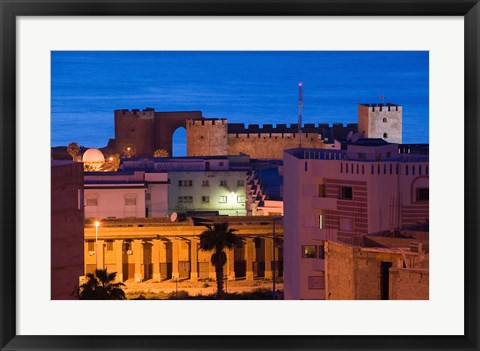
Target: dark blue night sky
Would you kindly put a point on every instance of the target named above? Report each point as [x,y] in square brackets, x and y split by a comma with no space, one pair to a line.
[243,86]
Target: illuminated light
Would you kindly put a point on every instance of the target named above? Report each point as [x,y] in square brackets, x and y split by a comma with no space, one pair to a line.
[300,84]
[111,158]
[231,198]
[97,223]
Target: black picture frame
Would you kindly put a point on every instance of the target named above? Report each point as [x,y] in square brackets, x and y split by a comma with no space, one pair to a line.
[9,10]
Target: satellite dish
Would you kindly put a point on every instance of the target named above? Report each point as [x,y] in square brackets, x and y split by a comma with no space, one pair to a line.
[173,217]
[355,137]
[349,135]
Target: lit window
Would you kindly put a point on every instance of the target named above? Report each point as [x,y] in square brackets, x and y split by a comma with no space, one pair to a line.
[240,198]
[346,193]
[320,221]
[309,251]
[205,199]
[222,199]
[422,194]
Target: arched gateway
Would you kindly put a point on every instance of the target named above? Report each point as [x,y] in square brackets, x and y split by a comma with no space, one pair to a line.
[148,130]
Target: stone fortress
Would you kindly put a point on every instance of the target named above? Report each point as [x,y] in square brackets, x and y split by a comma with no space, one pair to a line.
[149,130]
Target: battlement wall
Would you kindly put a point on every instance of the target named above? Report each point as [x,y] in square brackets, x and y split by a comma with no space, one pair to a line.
[147,113]
[207,122]
[381,107]
[240,128]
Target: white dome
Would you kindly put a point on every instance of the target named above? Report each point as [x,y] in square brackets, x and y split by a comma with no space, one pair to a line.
[93,156]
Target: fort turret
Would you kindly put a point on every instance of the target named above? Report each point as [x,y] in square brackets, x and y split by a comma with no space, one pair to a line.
[135,127]
[207,137]
[381,121]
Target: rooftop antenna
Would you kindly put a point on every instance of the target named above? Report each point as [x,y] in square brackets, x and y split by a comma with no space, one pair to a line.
[300,107]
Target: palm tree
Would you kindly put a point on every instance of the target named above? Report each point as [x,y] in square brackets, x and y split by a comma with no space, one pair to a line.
[101,286]
[112,164]
[217,238]
[129,150]
[161,153]
[73,149]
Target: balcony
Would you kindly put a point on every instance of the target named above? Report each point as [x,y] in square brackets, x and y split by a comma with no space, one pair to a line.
[327,203]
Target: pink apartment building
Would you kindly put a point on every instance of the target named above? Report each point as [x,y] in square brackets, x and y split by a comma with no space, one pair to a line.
[365,187]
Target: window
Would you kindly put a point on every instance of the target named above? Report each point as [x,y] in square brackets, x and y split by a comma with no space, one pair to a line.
[92,202]
[109,245]
[148,196]
[189,199]
[362,156]
[220,164]
[240,183]
[384,120]
[180,183]
[420,170]
[391,168]
[384,169]
[130,201]
[190,183]
[346,193]
[357,168]
[406,170]
[413,170]
[91,246]
[80,199]
[363,169]
[185,183]
[222,199]
[372,169]
[389,154]
[321,190]
[422,194]
[341,167]
[321,251]
[223,183]
[306,166]
[320,221]
[240,198]
[185,199]
[309,251]
[316,282]
[205,183]
[346,224]
[180,199]
[385,135]
[205,199]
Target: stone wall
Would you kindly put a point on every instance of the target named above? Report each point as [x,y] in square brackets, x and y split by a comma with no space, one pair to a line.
[270,145]
[409,284]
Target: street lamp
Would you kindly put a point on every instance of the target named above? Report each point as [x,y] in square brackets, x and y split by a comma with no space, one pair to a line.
[97,223]
[274,262]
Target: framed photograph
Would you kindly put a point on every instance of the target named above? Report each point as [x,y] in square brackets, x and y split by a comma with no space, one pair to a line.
[88,89]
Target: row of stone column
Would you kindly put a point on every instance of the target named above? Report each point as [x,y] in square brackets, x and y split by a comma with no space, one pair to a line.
[159,256]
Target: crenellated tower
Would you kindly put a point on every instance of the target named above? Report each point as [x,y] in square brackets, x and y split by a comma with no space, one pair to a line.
[207,137]
[381,121]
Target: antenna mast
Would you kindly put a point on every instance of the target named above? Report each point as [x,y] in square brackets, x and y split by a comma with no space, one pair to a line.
[300,107]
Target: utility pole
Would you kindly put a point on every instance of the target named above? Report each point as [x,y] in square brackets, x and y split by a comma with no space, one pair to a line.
[300,107]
